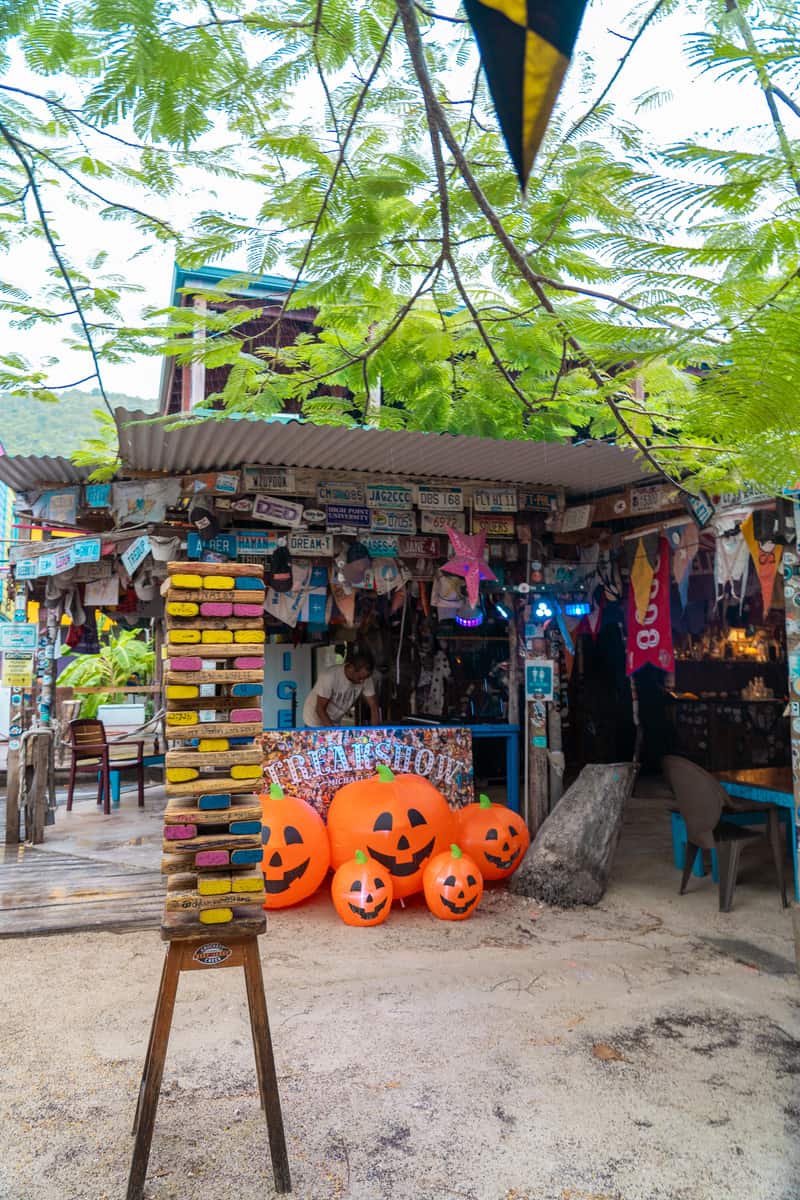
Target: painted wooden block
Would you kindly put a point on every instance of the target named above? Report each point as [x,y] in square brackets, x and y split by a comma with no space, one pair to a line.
[249,583]
[248,664]
[237,675]
[215,608]
[215,729]
[245,827]
[221,583]
[185,664]
[247,689]
[224,783]
[213,841]
[214,803]
[181,580]
[215,570]
[214,885]
[247,883]
[181,774]
[177,901]
[212,745]
[216,916]
[241,858]
[245,714]
[186,637]
[194,760]
[246,772]
[241,741]
[249,635]
[213,636]
[210,650]
[182,608]
[208,595]
[214,858]
[248,610]
[175,833]
[243,808]
[181,691]
[181,718]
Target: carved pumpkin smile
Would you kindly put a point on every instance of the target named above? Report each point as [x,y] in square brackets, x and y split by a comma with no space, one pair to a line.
[502,864]
[362,891]
[368,915]
[274,886]
[391,862]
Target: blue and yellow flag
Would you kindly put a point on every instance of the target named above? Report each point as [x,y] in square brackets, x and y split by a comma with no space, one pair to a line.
[525,48]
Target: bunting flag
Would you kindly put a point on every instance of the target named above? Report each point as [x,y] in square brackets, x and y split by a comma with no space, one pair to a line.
[525,47]
[685,542]
[731,559]
[650,635]
[766,558]
[641,579]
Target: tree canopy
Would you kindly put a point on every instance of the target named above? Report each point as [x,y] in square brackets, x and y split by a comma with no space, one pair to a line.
[647,294]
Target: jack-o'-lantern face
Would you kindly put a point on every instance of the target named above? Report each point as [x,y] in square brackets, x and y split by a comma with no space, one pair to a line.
[362,891]
[401,821]
[495,836]
[453,885]
[296,855]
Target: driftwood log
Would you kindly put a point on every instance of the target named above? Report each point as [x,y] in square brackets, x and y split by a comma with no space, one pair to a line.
[569,862]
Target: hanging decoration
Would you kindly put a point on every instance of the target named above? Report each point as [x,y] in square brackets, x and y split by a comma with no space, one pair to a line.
[685,542]
[731,558]
[641,580]
[766,558]
[468,561]
[650,638]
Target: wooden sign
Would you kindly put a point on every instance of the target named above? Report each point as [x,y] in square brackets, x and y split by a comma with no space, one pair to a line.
[268,479]
[340,493]
[433,499]
[277,512]
[531,500]
[494,500]
[435,522]
[493,524]
[653,499]
[311,545]
[389,495]
[573,519]
[392,521]
[421,547]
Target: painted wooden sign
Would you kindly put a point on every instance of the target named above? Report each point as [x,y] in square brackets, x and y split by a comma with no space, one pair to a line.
[653,499]
[268,479]
[433,499]
[422,547]
[531,500]
[277,511]
[340,493]
[381,545]
[494,500]
[389,495]
[435,522]
[393,521]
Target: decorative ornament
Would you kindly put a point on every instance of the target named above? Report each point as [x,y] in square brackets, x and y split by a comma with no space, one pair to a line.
[468,561]
[494,835]
[296,851]
[453,885]
[362,891]
[641,580]
[766,558]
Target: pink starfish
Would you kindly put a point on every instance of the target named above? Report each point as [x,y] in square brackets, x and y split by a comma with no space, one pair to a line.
[468,561]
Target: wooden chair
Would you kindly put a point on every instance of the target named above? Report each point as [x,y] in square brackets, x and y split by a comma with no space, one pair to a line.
[701,801]
[91,751]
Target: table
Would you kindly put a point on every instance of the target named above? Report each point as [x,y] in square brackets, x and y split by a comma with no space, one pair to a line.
[767,785]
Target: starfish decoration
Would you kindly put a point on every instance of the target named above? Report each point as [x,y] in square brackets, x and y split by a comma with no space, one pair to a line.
[468,561]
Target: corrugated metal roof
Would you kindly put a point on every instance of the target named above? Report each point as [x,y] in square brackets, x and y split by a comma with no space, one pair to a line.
[24,472]
[210,445]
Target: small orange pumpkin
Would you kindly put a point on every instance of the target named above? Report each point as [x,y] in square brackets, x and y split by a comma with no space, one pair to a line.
[296,851]
[495,836]
[453,885]
[362,891]
[400,820]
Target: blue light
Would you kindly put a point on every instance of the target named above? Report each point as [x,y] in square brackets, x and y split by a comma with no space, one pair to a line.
[543,611]
[501,611]
[578,610]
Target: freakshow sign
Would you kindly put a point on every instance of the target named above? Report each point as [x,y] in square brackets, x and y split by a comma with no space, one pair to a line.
[315,763]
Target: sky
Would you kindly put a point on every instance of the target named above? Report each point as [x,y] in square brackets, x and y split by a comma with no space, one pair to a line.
[697,105]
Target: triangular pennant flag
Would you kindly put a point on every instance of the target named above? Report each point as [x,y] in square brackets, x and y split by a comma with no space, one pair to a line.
[525,48]
[767,567]
[749,535]
[685,542]
[641,580]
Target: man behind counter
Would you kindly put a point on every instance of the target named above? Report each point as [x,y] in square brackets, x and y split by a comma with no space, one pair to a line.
[337,690]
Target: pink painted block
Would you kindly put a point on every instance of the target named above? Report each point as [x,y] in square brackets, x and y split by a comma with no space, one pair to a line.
[211,858]
[174,833]
[186,664]
[215,608]
[247,610]
[248,664]
[245,714]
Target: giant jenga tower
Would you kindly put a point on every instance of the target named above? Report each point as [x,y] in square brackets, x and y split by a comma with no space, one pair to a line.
[213,687]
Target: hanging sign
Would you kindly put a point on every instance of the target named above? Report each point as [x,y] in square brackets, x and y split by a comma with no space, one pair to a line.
[45,564]
[63,561]
[86,552]
[574,519]
[17,670]
[98,495]
[701,508]
[534,501]
[216,483]
[381,546]
[421,547]
[25,568]
[440,499]
[277,512]
[391,521]
[433,522]
[135,555]
[268,479]
[311,545]
[348,514]
[493,524]
[539,681]
[340,493]
[494,500]
[223,543]
[387,495]
[21,638]
[653,499]
[650,640]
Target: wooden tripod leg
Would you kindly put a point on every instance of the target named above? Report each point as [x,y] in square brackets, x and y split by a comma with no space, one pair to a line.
[265,1066]
[154,1070]
[149,1054]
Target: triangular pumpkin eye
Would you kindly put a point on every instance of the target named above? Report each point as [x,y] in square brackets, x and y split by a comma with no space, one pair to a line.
[450,881]
[491,835]
[379,883]
[355,886]
[383,824]
[512,829]
[265,835]
[415,817]
[471,880]
[292,836]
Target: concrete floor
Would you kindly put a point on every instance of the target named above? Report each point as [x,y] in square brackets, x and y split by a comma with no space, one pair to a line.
[645,1049]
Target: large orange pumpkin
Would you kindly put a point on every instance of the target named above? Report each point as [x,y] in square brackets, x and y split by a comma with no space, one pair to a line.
[453,885]
[401,820]
[296,851]
[362,891]
[495,836]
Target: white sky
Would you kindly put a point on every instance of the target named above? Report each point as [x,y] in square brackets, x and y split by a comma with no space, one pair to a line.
[699,104]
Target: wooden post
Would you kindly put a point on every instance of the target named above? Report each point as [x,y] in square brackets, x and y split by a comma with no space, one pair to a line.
[554,740]
[513,663]
[791,576]
[538,796]
[16,727]
[37,770]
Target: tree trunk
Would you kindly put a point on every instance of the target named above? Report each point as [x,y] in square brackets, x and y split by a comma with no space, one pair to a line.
[570,860]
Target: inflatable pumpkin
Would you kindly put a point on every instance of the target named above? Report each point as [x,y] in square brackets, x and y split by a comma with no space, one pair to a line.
[453,885]
[401,820]
[495,836]
[362,891]
[296,853]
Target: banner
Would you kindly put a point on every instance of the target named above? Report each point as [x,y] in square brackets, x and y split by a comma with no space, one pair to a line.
[315,763]
[650,639]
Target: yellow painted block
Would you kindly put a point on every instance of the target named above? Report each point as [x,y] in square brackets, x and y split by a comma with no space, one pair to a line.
[186,581]
[181,774]
[187,636]
[216,916]
[246,772]
[248,635]
[220,583]
[217,637]
[182,608]
[248,883]
[214,885]
[213,745]
[181,718]
[182,691]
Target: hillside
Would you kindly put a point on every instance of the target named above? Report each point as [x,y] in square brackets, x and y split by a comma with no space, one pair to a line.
[31,427]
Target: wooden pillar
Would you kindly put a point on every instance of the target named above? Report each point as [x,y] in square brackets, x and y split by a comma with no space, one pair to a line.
[513,663]
[791,575]
[538,798]
[554,740]
[16,727]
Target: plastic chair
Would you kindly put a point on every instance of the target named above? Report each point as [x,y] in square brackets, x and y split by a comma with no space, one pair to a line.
[701,801]
[91,752]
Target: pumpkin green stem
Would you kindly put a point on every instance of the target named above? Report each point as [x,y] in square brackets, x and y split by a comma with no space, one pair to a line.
[456,851]
[384,773]
[484,801]
[276,792]
[360,857]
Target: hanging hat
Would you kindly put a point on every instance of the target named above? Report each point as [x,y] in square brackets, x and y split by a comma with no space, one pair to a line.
[280,572]
[357,563]
[203,518]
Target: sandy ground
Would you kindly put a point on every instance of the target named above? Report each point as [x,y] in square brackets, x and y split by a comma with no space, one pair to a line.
[646,1049]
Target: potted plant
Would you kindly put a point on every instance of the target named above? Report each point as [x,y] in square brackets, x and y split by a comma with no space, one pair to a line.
[124,658]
